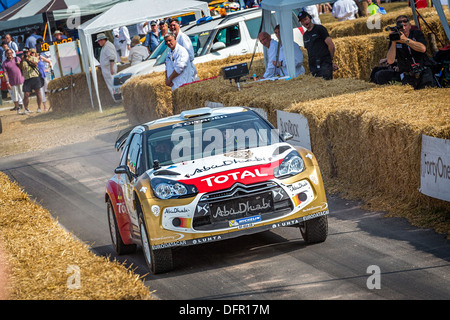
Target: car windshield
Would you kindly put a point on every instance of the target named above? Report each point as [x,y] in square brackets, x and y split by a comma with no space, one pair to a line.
[158,50]
[209,136]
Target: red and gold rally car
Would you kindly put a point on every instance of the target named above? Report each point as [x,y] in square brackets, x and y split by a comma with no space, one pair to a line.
[206,175]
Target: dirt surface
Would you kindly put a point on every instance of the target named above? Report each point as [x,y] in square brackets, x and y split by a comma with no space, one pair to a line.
[40,131]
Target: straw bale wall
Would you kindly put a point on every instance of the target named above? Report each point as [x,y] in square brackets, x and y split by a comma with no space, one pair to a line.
[362,26]
[147,98]
[78,97]
[368,146]
[269,95]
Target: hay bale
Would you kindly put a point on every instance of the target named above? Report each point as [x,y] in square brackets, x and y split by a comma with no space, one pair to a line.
[147,98]
[269,95]
[357,56]
[44,259]
[69,98]
[364,26]
[369,146]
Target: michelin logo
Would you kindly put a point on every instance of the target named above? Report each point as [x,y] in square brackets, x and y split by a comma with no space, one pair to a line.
[244,222]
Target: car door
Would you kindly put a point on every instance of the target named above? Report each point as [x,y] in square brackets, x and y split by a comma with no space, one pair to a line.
[132,159]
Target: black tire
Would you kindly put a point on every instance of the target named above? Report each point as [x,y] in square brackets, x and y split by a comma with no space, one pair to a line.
[315,230]
[116,239]
[158,261]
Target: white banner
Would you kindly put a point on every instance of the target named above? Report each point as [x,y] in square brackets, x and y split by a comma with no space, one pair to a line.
[435,168]
[297,125]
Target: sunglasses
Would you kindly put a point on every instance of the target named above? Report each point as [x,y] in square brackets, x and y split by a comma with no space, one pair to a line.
[403,21]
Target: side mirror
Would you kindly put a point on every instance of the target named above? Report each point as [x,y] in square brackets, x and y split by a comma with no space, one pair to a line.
[218,46]
[123,169]
[287,136]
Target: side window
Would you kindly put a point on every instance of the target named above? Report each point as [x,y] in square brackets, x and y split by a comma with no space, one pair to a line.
[230,35]
[134,154]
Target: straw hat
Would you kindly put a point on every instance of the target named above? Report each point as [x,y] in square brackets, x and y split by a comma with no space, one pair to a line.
[101,36]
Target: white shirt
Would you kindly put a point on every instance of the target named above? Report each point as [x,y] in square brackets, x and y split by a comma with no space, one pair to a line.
[137,54]
[272,56]
[107,54]
[312,10]
[344,10]
[124,40]
[178,60]
[185,41]
[298,56]
[141,29]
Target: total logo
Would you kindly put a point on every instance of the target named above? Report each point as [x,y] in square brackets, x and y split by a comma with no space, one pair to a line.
[233,176]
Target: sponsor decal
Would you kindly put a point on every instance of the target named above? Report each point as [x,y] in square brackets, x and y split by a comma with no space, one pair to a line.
[143,189]
[242,209]
[322,207]
[435,168]
[226,179]
[177,210]
[244,222]
[169,245]
[121,208]
[156,210]
[207,239]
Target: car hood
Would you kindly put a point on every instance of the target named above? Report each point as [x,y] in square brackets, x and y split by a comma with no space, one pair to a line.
[142,67]
[222,171]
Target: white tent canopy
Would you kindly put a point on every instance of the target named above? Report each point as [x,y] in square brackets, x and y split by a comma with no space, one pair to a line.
[28,8]
[125,14]
[283,9]
[27,13]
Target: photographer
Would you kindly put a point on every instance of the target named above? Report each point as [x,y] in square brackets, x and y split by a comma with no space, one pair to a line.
[31,74]
[408,47]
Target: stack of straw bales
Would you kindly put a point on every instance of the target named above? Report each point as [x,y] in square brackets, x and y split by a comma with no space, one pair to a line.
[74,98]
[270,95]
[364,25]
[147,98]
[48,263]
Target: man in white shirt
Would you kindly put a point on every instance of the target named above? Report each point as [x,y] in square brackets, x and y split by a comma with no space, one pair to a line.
[344,10]
[184,41]
[11,44]
[108,60]
[178,63]
[125,42]
[273,54]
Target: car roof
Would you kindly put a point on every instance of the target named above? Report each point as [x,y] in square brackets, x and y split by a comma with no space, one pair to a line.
[194,114]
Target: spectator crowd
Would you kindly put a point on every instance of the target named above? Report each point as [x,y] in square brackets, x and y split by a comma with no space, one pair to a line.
[28,70]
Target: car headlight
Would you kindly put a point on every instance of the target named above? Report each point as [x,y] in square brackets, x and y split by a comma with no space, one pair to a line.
[170,189]
[291,165]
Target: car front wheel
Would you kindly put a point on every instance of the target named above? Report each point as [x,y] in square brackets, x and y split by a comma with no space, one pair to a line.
[158,261]
[315,230]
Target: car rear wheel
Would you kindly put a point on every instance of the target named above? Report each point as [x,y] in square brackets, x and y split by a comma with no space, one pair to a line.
[119,246]
[158,261]
[315,230]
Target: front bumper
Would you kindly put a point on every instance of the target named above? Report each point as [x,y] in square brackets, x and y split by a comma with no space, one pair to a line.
[240,210]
